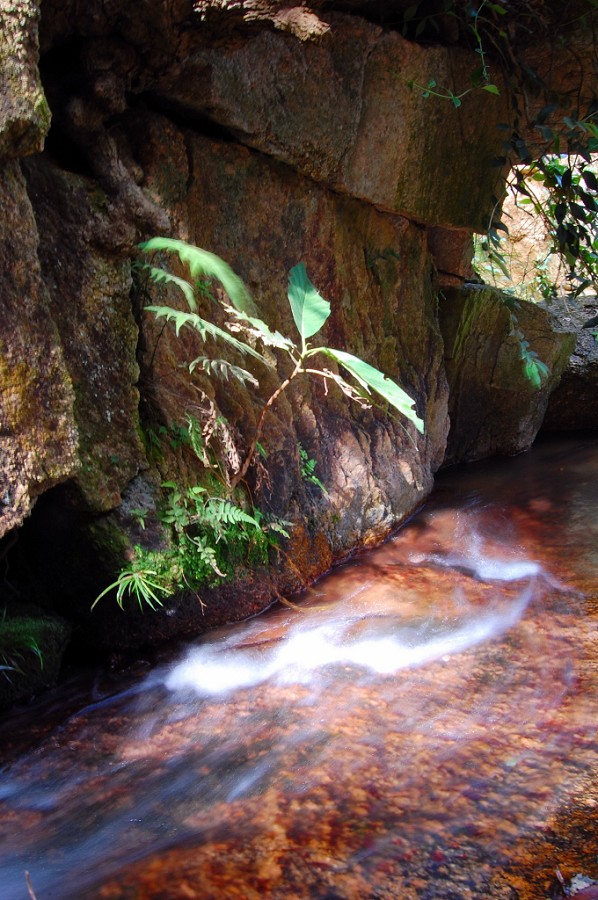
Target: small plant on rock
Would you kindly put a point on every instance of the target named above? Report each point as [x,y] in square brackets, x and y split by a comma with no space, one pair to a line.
[310,312]
[211,522]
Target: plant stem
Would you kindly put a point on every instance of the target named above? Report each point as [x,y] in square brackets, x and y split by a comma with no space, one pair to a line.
[240,475]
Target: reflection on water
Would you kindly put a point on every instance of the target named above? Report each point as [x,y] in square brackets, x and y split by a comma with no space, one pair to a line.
[433,703]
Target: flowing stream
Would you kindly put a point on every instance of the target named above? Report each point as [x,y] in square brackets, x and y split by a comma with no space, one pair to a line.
[424,727]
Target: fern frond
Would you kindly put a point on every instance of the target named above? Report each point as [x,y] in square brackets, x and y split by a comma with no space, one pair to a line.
[222,369]
[202,262]
[220,511]
[258,328]
[203,326]
[206,553]
[161,276]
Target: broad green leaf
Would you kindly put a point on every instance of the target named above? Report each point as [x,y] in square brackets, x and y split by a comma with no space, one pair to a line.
[491,88]
[370,378]
[309,309]
[202,262]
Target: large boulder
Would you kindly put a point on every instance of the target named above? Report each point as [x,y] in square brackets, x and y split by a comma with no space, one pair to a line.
[376,271]
[494,408]
[374,268]
[574,404]
[38,433]
[347,111]
[88,288]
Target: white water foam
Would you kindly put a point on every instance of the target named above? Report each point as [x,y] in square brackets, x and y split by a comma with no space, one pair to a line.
[487,568]
[220,668]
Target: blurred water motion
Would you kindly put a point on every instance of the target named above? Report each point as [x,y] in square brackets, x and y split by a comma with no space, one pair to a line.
[432,704]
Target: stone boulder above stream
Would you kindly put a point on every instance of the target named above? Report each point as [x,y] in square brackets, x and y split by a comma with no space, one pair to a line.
[494,408]
[574,404]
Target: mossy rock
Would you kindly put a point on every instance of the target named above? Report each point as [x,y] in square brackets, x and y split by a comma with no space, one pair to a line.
[31,651]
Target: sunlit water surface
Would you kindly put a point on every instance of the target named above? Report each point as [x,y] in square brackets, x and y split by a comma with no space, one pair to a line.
[433,702]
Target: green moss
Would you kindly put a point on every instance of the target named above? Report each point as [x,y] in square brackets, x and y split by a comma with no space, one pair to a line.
[109,539]
[43,114]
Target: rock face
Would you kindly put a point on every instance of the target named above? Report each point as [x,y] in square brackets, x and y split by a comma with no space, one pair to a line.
[375,271]
[386,147]
[268,135]
[574,404]
[98,336]
[493,407]
[24,112]
[38,436]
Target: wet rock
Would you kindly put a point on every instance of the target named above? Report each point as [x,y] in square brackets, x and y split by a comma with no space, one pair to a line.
[493,407]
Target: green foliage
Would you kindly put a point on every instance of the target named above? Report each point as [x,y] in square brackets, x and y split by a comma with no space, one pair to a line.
[202,262]
[213,534]
[310,312]
[140,583]
[307,468]
[215,528]
[570,209]
[432,89]
[18,643]
[534,369]
[564,164]
[370,379]
[474,21]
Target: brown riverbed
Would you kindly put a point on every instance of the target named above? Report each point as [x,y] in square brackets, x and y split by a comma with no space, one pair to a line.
[424,728]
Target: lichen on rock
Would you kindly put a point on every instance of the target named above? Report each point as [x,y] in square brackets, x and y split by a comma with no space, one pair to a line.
[24,112]
[38,433]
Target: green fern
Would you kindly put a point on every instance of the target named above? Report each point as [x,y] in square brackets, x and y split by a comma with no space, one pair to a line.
[223,370]
[204,328]
[534,369]
[206,553]
[202,262]
[307,467]
[162,276]
[212,530]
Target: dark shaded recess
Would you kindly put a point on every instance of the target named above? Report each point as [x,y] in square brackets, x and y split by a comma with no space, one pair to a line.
[450,22]
[51,563]
[63,78]
[184,117]
[429,24]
